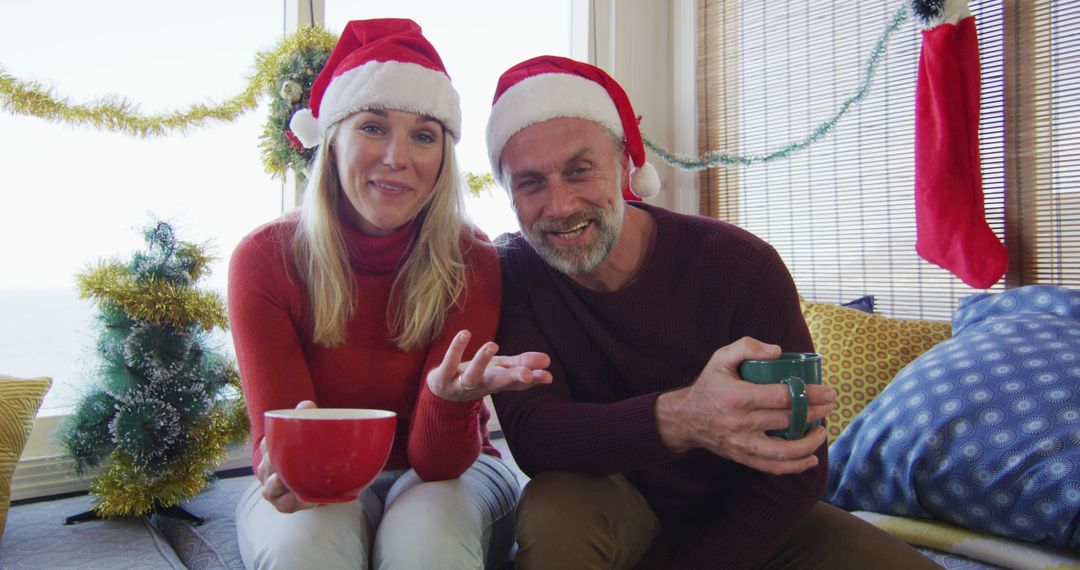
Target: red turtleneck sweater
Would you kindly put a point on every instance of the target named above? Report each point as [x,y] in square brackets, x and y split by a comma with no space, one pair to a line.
[280,365]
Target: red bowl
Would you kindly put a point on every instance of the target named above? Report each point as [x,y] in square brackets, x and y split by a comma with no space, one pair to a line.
[329,455]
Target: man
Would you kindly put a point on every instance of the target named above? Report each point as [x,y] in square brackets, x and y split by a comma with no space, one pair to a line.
[648,449]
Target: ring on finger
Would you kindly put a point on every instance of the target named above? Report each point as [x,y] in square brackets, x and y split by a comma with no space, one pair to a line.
[464,386]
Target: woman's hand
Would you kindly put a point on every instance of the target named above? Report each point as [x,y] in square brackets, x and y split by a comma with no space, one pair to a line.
[486,373]
[273,488]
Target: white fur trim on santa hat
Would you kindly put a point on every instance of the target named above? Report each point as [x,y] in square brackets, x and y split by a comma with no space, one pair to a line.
[547,96]
[387,85]
[645,181]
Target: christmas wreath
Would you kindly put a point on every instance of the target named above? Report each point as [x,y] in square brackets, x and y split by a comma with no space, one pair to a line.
[296,63]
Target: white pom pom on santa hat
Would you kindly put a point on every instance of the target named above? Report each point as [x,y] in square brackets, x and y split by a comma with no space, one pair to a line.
[306,128]
[645,181]
[549,87]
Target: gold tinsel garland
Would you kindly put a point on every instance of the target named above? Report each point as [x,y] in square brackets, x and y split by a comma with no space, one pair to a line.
[197,254]
[116,114]
[122,490]
[154,300]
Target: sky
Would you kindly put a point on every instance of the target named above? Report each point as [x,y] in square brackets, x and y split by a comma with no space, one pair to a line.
[73,195]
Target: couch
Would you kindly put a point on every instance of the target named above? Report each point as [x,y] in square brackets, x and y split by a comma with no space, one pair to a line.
[961,436]
[888,464]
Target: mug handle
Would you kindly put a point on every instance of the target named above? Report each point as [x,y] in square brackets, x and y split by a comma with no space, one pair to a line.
[799,403]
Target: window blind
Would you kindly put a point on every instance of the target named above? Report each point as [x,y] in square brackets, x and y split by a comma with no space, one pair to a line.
[841,212]
[1043,143]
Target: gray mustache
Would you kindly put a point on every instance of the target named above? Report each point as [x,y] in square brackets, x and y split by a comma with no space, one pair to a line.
[563,224]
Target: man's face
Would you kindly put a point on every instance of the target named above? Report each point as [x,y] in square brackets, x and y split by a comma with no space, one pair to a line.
[565,179]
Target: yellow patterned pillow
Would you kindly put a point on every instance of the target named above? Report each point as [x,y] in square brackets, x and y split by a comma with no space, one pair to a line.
[19,403]
[862,352]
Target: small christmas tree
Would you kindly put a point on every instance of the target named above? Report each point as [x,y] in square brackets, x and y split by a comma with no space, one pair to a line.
[156,421]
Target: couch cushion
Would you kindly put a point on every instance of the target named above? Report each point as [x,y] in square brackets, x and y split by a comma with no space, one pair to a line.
[862,352]
[19,403]
[37,538]
[212,545]
[982,431]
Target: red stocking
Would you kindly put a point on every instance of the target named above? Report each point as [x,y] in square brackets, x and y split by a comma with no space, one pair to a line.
[950,216]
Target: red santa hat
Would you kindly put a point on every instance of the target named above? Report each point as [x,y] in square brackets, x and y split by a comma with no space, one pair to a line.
[379,64]
[548,87]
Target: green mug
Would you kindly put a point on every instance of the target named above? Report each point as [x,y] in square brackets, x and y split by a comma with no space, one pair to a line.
[796,370]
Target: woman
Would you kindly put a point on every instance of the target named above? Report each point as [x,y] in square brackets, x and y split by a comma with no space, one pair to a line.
[370,297]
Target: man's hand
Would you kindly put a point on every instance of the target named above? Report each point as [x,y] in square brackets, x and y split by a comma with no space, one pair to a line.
[273,489]
[486,373]
[728,416]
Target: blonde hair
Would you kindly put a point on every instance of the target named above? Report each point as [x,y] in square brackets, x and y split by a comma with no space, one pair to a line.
[430,282]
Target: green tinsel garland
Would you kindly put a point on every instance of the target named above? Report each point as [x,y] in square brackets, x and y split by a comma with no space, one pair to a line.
[715,158]
[165,406]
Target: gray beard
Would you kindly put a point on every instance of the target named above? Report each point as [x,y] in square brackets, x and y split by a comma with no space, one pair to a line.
[585,257]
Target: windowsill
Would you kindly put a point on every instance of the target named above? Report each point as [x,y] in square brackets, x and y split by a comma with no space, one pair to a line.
[45,470]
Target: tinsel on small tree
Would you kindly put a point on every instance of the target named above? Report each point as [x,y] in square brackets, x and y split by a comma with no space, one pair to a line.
[479,183]
[155,421]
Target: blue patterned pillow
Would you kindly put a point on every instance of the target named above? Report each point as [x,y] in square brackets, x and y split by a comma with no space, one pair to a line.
[983,430]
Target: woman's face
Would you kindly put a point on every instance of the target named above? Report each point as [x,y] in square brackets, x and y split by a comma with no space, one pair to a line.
[387,162]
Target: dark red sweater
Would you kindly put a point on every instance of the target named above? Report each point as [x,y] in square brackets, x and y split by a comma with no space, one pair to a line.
[280,365]
[705,285]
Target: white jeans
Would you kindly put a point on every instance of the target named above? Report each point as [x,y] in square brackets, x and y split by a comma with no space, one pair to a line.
[399,523]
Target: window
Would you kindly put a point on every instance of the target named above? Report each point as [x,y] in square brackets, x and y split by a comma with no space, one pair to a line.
[841,212]
[476,46]
[76,195]
[1043,142]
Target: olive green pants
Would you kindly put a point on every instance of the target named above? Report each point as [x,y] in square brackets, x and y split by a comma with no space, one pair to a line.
[571,521]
